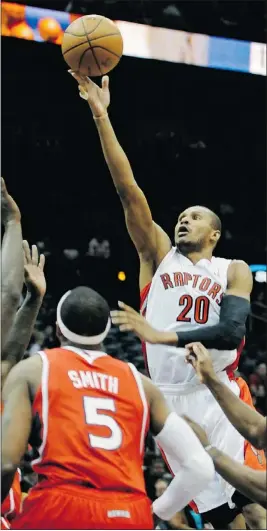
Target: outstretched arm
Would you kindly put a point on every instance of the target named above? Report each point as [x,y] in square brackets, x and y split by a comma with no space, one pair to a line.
[246,420]
[22,328]
[151,242]
[12,261]
[252,483]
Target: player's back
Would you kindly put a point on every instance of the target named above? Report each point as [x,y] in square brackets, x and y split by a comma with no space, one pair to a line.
[94,418]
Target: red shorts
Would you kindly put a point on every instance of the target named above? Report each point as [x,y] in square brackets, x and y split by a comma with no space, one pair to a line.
[75,507]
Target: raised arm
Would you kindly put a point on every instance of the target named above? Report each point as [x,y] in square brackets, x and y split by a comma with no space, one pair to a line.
[22,328]
[246,420]
[193,470]
[151,242]
[12,261]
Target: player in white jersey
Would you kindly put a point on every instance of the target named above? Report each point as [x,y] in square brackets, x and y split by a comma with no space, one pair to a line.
[190,295]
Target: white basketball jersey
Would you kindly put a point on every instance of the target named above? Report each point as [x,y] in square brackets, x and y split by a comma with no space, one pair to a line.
[184,296]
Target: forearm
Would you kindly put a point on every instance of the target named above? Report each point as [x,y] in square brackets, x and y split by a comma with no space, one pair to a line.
[12,274]
[22,329]
[212,337]
[115,157]
[195,471]
[245,419]
[251,483]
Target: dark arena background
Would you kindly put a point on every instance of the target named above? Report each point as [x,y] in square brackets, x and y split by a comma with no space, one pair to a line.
[194,135]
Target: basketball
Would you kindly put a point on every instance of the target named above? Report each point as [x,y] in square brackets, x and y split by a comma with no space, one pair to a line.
[92,45]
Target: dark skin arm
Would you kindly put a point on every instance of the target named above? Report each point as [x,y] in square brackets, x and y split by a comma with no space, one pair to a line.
[151,242]
[246,420]
[16,423]
[239,284]
[23,325]
[12,261]
[252,483]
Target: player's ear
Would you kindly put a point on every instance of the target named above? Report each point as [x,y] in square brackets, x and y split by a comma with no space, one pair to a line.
[215,236]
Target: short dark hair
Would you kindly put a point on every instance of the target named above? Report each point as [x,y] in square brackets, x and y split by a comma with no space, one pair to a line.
[85,312]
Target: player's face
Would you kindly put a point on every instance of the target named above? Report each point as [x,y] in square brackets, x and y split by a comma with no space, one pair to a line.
[194,229]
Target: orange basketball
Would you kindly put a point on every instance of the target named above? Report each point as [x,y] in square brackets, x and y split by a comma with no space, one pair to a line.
[49,29]
[22,31]
[92,45]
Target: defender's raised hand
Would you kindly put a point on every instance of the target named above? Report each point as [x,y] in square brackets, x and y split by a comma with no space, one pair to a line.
[97,97]
[200,359]
[34,270]
[9,209]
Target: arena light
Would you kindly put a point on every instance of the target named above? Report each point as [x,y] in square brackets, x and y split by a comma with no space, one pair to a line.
[260,276]
[260,272]
[121,276]
[258,267]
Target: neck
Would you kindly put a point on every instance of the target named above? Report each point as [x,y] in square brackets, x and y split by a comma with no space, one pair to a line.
[82,347]
[195,256]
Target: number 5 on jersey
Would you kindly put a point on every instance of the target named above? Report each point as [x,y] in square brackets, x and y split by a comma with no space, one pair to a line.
[93,417]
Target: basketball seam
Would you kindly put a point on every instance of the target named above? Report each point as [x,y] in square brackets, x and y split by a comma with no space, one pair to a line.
[76,46]
[84,34]
[106,49]
[104,36]
[90,48]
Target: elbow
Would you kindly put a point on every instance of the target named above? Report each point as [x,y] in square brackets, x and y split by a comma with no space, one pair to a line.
[232,336]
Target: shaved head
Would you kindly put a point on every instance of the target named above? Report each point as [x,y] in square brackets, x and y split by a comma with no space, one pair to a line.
[198,227]
[215,220]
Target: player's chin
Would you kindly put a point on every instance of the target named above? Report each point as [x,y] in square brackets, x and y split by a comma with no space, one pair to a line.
[182,239]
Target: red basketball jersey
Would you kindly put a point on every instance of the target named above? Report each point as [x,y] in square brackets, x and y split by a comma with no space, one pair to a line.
[94,419]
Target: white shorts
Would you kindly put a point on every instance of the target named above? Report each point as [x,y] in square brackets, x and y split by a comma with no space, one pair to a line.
[198,403]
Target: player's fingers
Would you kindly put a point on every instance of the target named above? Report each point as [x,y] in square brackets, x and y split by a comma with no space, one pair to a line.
[76,75]
[118,320]
[126,328]
[83,92]
[118,313]
[35,255]
[41,262]
[105,82]
[27,251]
[127,309]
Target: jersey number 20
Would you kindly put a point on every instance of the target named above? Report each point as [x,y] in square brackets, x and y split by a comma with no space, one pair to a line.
[92,406]
[201,309]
